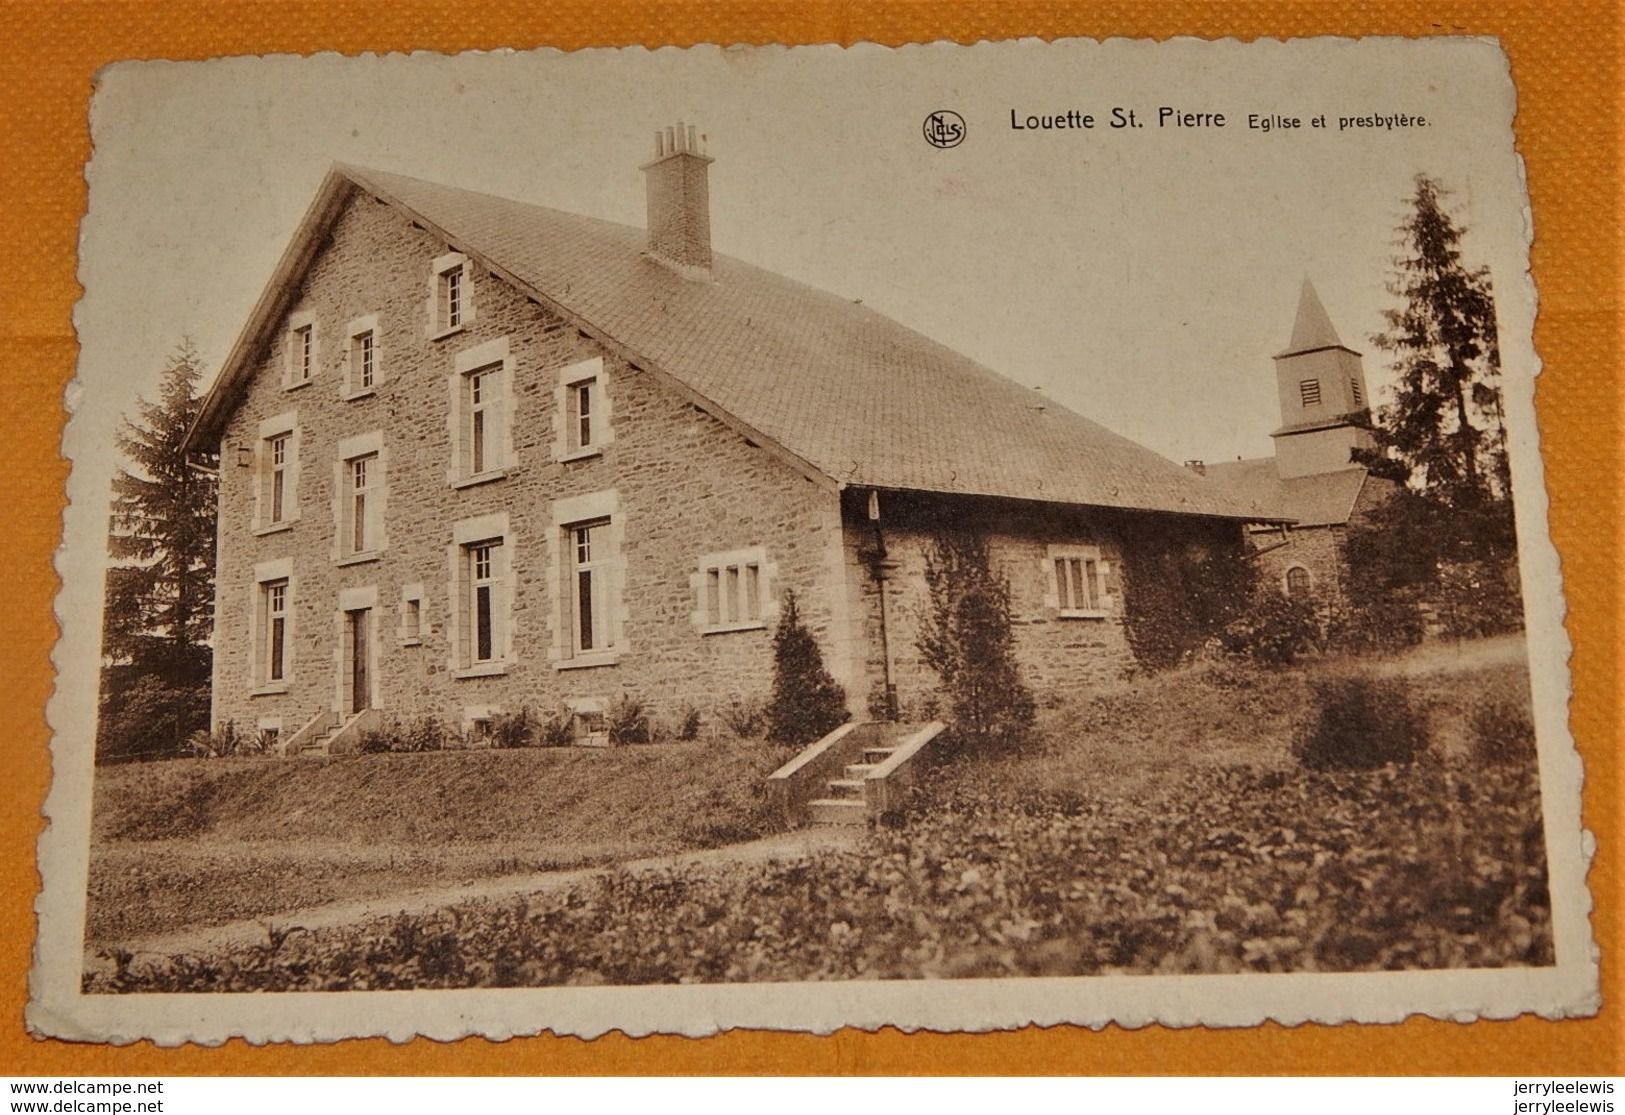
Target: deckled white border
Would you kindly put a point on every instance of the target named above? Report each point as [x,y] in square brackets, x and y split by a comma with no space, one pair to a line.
[1568,989]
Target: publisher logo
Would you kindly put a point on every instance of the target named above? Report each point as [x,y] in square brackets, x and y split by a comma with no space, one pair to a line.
[944,128]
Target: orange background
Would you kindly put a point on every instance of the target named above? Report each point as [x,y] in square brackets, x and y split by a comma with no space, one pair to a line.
[1565,62]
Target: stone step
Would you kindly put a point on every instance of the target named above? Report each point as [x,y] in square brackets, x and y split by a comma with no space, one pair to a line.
[877,755]
[859,770]
[847,788]
[837,811]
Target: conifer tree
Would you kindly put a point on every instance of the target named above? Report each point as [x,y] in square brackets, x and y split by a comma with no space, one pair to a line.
[158,615]
[807,702]
[1443,434]
[966,638]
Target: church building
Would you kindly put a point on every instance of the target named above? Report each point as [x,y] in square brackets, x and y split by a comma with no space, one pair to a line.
[1311,478]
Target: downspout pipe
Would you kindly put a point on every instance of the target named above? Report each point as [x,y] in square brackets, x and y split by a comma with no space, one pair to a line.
[877,570]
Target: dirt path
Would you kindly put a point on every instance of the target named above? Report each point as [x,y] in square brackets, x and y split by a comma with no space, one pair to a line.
[1454,657]
[782,846]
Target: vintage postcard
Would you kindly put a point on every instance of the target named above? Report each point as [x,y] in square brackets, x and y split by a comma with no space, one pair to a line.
[945,537]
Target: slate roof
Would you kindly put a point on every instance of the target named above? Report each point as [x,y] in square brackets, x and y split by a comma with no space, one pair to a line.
[856,396]
[1325,499]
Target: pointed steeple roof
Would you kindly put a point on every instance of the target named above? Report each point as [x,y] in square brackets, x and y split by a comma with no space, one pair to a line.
[1313,328]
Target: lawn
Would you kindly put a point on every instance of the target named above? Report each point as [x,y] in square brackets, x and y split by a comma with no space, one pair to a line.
[202,842]
[1159,826]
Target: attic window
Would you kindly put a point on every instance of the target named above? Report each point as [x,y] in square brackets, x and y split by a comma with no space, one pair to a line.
[451,299]
[301,346]
[363,366]
[1309,392]
[582,427]
[451,295]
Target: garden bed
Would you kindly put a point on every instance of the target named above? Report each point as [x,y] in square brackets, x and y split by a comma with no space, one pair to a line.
[1439,865]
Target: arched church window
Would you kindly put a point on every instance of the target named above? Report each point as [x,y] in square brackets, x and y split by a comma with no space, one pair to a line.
[1297,582]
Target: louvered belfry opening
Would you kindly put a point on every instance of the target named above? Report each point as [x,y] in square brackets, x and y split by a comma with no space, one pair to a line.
[680,201]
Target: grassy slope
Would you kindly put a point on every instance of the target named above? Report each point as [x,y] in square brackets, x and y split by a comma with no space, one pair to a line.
[204,842]
[1160,827]
[1127,739]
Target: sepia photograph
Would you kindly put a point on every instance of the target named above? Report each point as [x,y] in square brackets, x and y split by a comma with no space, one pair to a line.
[952,537]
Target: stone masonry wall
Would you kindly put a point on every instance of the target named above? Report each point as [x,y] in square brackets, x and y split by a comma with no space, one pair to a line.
[686,485]
[1056,654]
[1317,549]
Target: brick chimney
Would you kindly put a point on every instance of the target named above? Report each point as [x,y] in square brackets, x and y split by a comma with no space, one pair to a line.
[680,203]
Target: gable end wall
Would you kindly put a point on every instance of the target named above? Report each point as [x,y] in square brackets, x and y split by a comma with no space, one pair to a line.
[685,486]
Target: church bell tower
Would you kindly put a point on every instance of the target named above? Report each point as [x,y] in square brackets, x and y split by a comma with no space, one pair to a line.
[1324,400]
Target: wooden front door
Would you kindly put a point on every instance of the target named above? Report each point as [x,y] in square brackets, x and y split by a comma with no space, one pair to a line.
[360,666]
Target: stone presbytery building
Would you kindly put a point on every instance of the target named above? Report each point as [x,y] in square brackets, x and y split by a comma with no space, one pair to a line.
[476,455]
[1312,480]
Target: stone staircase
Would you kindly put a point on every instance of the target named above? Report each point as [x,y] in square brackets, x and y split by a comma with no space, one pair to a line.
[325,732]
[853,774]
[845,803]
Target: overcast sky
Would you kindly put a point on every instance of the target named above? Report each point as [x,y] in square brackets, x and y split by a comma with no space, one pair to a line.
[1140,276]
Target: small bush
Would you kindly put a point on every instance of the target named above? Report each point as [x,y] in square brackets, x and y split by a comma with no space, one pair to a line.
[427,733]
[745,717]
[558,729]
[224,742]
[409,737]
[687,726]
[513,729]
[627,721]
[1364,723]
[807,703]
[1388,623]
[1502,731]
[1275,631]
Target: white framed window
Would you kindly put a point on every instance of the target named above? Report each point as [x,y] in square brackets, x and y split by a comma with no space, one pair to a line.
[733,591]
[276,474]
[277,498]
[362,358]
[1076,582]
[581,426]
[363,471]
[481,388]
[270,627]
[359,484]
[481,591]
[1309,392]
[411,625]
[484,561]
[589,586]
[587,566]
[276,630]
[302,354]
[484,387]
[451,295]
